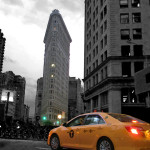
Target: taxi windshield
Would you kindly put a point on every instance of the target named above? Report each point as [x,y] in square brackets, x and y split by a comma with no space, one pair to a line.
[126,118]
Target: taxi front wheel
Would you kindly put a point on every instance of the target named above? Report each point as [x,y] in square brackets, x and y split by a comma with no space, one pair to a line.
[55,143]
[105,144]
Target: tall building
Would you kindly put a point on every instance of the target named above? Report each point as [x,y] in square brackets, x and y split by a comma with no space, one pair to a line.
[12,89]
[2,48]
[19,85]
[38,99]
[117,45]
[75,102]
[56,69]
[26,112]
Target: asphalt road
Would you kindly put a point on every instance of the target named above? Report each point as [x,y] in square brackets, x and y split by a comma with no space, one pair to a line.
[13,144]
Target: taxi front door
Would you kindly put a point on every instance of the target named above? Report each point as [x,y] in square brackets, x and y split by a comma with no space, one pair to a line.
[70,137]
[71,132]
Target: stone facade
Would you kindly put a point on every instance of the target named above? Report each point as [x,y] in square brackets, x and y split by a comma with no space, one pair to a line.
[38,99]
[2,48]
[75,103]
[116,47]
[15,85]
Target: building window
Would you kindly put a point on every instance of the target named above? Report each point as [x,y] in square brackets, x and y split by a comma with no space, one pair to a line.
[101,3]
[97,63]
[105,54]
[104,98]
[102,44]
[94,15]
[93,53]
[96,10]
[87,60]
[106,71]
[105,25]
[138,50]
[89,69]
[124,18]
[96,78]
[97,36]
[124,95]
[97,49]
[138,66]
[101,15]
[136,17]
[105,10]
[90,58]
[123,3]
[102,29]
[93,66]
[93,40]
[87,72]
[102,77]
[137,33]
[125,34]
[93,80]
[89,83]
[102,58]
[93,27]
[105,40]
[96,23]
[52,65]
[135,3]
[52,75]
[126,69]
[125,50]
[133,98]
[147,78]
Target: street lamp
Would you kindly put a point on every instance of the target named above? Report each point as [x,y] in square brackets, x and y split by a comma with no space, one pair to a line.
[59,116]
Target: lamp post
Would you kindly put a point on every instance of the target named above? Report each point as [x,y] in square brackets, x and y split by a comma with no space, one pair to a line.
[7,103]
[59,116]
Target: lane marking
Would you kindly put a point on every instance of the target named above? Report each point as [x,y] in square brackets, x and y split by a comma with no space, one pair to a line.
[41,148]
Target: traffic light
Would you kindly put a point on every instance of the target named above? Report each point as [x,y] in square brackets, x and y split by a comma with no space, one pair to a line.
[44,118]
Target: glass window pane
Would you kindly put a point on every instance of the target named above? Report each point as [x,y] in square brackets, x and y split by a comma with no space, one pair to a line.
[124,18]
[123,3]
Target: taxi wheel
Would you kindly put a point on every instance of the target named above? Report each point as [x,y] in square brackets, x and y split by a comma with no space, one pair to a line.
[105,144]
[54,143]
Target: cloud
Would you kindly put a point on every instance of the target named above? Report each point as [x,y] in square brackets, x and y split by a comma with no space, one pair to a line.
[42,5]
[72,6]
[14,2]
[8,59]
[24,23]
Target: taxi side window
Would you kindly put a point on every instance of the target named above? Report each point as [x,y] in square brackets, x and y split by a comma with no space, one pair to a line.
[94,119]
[77,121]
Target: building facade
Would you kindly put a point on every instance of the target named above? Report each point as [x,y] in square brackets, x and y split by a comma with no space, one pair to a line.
[38,99]
[56,69]
[12,89]
[75,102]
[26,112]
[2,48]
[117,45]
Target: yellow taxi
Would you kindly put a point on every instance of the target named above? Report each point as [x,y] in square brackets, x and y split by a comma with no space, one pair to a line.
[101,131]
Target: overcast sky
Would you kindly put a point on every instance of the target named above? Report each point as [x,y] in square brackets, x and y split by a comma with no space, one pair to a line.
[24,23]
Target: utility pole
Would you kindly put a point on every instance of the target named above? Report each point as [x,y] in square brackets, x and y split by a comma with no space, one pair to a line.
[7,103]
